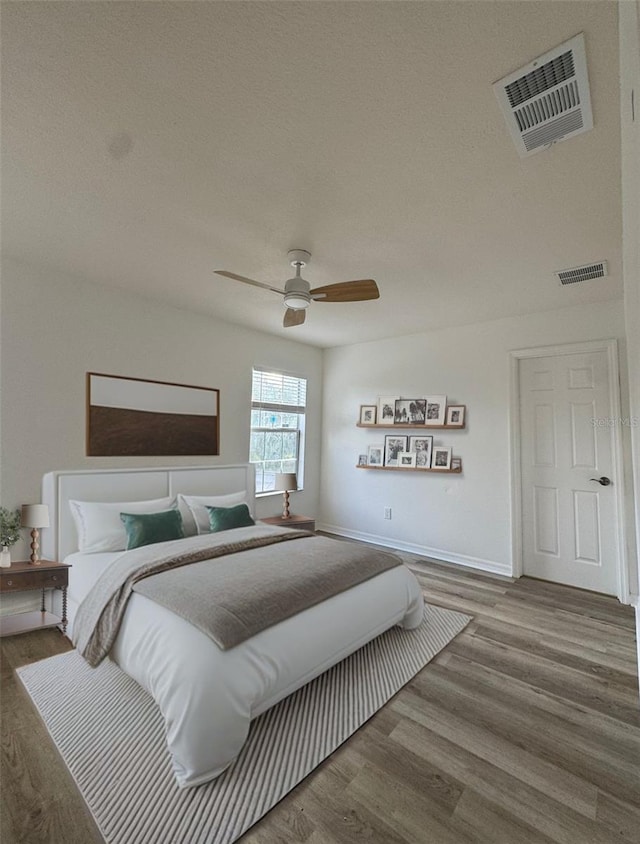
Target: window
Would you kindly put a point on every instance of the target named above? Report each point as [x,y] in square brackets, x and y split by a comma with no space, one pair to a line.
[278,404]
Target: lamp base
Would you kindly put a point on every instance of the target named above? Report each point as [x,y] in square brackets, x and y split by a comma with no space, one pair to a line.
[35,547]
[285,507]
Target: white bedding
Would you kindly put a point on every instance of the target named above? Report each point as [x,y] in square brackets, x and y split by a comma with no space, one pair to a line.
[208,696]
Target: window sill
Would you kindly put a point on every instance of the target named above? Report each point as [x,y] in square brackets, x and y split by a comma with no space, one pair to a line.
[274,492]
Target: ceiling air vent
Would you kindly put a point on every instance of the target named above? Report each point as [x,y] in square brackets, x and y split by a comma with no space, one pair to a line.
[585,273]
[548,100]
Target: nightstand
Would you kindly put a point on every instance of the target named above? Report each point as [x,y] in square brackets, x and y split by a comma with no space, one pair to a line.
[298,522]
[23,576]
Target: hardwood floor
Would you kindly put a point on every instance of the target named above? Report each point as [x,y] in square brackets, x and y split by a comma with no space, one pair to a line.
[526,728]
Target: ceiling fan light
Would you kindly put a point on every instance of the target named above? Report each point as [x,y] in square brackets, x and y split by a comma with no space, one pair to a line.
[297,300]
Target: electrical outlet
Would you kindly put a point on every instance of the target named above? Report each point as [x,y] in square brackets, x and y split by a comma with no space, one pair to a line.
[387,512]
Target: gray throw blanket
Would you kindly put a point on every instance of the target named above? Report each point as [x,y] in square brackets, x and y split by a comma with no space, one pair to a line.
[230,585]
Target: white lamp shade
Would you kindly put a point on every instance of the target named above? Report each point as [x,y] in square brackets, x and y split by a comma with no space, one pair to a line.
[35,516]
[286,482]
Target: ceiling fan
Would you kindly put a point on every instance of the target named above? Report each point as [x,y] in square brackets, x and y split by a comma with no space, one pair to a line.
[298,293]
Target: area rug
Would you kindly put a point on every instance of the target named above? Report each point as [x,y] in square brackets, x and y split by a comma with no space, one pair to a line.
[110,734]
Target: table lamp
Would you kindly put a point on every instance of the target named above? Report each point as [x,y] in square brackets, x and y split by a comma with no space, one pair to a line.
[286,482]
[35,516]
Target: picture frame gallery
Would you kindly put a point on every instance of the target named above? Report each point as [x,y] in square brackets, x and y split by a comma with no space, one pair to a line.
[416,451]
[430,411]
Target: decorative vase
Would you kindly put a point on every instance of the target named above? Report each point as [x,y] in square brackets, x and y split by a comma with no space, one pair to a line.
[5,557]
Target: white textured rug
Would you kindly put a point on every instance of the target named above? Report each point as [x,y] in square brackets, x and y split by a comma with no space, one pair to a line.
[111,736]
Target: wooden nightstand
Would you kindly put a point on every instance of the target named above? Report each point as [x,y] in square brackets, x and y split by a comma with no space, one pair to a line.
[23,576]
[298,522]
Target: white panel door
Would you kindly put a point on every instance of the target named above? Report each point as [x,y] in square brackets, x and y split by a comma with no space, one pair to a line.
[569,520]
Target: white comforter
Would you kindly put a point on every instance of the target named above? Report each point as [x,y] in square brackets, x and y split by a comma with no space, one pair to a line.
[208,696]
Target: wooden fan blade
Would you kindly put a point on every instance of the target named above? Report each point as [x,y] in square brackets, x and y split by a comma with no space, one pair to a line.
[248,281]
[347,291]
[294,316]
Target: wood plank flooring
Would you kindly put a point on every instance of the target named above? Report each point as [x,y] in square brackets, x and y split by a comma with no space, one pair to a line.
[524,730]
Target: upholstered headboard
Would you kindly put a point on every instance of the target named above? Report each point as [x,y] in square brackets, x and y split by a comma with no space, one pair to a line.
[58,488]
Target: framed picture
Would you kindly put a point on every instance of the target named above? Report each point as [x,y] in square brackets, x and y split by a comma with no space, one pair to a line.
[375,455]
[407,459]
[362,460]
[456,464]
[141,418]
[422,447]
[386,410]
[410,412]
[436,410]
[368,414]
[393,445]
[441,457]
[455,415]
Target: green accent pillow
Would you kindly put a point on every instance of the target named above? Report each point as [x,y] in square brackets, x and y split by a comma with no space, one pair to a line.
[226,518]
[149,528]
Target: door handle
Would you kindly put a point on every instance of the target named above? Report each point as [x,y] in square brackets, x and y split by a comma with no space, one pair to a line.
[602,481]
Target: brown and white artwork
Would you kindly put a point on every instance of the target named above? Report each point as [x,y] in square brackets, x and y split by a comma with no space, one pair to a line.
[137,417]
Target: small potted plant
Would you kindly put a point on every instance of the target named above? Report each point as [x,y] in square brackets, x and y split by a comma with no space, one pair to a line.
[9,533]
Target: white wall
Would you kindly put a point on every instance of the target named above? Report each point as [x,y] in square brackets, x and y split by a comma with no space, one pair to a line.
[629,27]
[461,518]
[55,329]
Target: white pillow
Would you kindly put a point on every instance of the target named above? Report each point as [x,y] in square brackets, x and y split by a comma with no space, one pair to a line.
[99,525]
[197,508]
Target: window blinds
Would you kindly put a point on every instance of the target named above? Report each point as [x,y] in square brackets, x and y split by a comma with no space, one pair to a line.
[276,391]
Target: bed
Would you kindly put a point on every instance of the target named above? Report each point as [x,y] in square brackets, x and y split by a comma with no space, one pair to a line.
[207,695]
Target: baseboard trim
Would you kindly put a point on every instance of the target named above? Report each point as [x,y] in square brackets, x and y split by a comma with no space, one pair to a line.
[489,566]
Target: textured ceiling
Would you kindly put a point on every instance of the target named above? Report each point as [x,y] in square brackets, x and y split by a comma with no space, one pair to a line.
[146,144]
